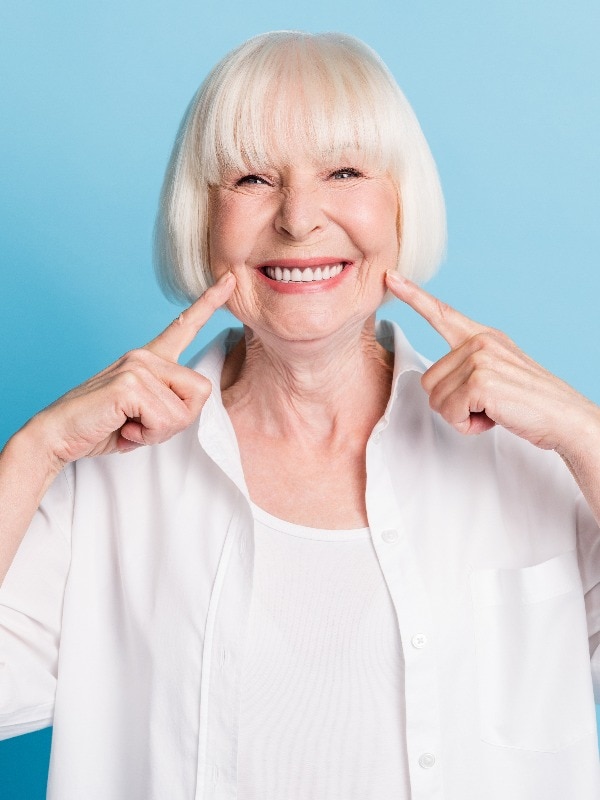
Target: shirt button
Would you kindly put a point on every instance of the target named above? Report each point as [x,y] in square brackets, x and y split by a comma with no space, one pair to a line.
[426,760]
[419,640]
[390,536]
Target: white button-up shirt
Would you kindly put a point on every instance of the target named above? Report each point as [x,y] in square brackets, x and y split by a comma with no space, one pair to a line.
[124,615]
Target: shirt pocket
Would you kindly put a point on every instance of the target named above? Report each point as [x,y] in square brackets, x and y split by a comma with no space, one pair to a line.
[533,665]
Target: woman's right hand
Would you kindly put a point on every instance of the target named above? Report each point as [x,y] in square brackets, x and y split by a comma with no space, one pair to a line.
[143,398]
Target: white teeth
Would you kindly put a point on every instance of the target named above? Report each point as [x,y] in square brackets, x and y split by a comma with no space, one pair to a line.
[306,275]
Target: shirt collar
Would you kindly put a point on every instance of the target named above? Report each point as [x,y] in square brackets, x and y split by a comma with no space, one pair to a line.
[209,361]
[408,364]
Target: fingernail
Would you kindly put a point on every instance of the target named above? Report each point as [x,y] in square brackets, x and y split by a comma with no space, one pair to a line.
[395,277]
[226,278]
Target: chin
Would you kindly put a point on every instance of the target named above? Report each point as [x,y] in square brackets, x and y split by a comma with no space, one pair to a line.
[309,327]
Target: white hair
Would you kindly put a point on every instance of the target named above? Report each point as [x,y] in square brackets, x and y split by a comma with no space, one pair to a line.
[343,96]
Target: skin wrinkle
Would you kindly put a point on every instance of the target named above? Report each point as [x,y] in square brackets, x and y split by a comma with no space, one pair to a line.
[280,229]
[307,396]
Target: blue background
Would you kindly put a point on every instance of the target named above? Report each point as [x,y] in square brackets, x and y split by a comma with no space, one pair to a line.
[92,94]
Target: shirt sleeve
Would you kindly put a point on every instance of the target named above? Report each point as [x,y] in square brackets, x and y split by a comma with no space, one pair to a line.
[588,549]
[31,600]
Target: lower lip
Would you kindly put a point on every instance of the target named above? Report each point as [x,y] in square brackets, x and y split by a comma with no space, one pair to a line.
[304,287]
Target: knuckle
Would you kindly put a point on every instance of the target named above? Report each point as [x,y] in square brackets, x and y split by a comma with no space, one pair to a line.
[128,380]
[202,385]
[490,337]
[482,339]
[499,335]
[179,419]
[435,399]
[447,411]
[426,382]
[481,380]
[443,309]
[209,299]
[137,356]
[479,360]
[140,355]
[196,404]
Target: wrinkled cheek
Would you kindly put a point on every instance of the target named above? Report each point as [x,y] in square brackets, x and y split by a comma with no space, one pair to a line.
[244,305]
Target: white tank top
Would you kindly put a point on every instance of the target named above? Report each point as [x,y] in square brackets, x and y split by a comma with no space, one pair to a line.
[322,703]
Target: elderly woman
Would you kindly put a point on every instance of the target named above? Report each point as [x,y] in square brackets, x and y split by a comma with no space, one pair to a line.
[310,583]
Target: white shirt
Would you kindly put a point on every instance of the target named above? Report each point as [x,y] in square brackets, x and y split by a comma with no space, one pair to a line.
[490,557]
[322,687]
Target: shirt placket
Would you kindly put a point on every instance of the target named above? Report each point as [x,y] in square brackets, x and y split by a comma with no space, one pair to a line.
[391,534]
[227,623]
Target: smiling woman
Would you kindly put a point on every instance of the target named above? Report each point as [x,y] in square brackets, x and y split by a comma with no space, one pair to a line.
[341,102]
[307,580]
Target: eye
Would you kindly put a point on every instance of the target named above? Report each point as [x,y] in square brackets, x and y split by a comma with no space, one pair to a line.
[251,180]
[345,173]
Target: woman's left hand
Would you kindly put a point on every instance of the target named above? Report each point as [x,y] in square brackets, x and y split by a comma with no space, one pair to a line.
[486,380]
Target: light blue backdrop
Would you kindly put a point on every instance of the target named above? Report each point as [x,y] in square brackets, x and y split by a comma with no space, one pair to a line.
[92,93]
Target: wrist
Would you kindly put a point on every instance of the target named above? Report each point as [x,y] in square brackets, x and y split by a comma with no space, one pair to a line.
[31,446]
[581,447]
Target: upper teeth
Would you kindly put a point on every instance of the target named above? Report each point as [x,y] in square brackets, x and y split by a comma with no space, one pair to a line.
[304,274]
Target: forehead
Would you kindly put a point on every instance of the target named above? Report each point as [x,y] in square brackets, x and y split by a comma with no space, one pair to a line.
[274,119]
[291,137]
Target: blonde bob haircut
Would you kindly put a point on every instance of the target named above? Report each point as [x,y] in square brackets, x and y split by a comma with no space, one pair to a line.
[276,96]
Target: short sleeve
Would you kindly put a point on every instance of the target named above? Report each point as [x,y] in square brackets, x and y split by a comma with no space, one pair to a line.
[588,549]
[31,601]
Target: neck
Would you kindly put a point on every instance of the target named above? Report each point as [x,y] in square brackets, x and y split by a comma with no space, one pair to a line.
[311,389]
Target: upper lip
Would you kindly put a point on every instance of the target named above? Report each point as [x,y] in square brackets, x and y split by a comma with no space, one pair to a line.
[303,263]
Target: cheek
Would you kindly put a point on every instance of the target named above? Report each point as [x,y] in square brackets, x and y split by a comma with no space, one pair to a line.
[227,233]
[375,223]
[220,239]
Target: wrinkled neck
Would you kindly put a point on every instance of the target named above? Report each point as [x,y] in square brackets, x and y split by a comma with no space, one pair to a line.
[312,388]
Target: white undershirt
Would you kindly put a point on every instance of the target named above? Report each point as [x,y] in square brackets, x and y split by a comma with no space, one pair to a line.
[322,703]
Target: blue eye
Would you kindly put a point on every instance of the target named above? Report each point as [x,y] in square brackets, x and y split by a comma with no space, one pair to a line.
[345,173]
[253,180]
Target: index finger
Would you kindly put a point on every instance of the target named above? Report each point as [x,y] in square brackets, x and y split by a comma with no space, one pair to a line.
[181,332]
[447,321]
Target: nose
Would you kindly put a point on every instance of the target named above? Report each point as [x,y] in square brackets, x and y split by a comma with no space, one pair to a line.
[300,212]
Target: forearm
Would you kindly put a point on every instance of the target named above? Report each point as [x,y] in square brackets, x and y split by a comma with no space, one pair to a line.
[582,456]
[26,472]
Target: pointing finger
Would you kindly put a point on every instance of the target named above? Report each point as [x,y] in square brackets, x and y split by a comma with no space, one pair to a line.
[181,332]
[447,321]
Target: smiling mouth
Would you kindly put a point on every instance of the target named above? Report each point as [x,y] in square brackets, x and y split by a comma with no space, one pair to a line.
[304,274]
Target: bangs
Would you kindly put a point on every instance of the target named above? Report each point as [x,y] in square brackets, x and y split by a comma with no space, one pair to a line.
[311,98]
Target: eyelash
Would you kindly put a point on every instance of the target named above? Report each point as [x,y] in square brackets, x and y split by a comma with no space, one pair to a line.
[254,179]
[351,172]
[346,172]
